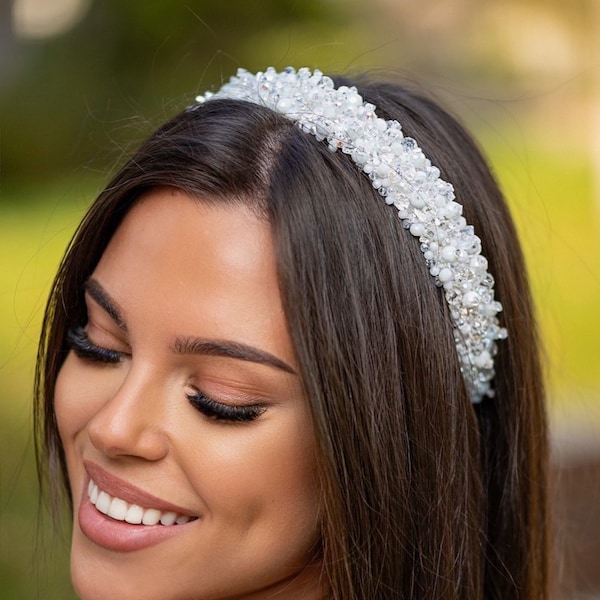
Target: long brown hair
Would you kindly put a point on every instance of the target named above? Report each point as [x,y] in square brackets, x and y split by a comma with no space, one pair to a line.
[424,495]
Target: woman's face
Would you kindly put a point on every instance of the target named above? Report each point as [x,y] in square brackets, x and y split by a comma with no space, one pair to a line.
[182,416]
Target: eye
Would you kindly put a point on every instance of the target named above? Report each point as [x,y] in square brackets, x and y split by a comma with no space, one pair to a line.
[80,343]
[224,412]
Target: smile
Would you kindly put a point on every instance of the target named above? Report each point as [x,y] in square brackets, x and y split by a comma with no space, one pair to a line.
[120,510]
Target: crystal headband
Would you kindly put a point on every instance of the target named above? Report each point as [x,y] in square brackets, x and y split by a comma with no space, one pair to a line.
[406,179]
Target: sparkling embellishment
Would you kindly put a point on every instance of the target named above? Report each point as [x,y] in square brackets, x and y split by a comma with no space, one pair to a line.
[406,179]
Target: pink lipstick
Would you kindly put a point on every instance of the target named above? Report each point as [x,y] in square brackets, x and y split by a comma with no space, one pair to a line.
[121,517]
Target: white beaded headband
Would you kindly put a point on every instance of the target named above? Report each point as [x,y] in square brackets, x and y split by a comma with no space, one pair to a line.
[406,179]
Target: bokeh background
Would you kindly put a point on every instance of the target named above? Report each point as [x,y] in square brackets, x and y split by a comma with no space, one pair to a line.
[83,81]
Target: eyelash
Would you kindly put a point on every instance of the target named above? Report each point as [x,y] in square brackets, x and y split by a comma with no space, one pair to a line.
[80,343]
[224,412]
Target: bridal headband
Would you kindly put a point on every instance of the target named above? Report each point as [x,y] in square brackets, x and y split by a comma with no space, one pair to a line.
[407,180]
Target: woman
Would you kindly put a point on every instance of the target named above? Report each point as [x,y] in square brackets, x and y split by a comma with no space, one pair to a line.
[255,382]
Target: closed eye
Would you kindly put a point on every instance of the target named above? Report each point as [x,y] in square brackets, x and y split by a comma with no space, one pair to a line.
[79,342]
[224,412]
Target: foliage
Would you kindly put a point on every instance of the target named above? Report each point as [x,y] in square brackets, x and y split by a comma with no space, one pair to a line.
[128,58]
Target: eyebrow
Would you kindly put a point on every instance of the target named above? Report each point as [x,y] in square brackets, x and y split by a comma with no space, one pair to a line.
[99,294]
[229,349]
[191,345]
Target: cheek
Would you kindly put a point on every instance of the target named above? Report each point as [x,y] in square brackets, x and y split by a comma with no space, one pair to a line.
[69,416]
[267,474]
[80,392]
[261,494]
[70,413]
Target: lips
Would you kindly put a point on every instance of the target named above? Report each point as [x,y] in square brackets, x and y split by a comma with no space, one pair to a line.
[119,488]
[121,517]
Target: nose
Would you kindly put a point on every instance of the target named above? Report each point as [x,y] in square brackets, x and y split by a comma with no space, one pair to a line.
[131,422]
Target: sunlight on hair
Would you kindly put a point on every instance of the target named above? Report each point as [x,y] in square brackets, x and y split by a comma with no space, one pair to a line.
[36,19]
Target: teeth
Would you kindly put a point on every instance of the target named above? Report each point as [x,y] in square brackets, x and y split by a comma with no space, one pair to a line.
[103,502]
[168,518]
[151,516]
[131,513]
[135,514]
[118,509]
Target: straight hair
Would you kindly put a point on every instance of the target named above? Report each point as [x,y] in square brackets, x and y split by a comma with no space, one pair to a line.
[424,495]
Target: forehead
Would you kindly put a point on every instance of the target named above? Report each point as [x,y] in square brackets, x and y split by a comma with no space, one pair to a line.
[168,222]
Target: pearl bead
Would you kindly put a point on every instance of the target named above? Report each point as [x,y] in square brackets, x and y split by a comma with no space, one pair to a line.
[417,201]
[449,253]
[445,275]
[417,229]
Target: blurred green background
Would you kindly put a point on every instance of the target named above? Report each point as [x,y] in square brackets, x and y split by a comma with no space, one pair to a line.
[82,82]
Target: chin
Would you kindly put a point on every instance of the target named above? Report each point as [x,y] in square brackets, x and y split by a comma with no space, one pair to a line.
[97,574]
[92,580]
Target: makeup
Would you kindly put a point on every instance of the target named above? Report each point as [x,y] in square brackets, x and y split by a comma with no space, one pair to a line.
[187,436]
[80,343]
[121,517]
[224,412]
